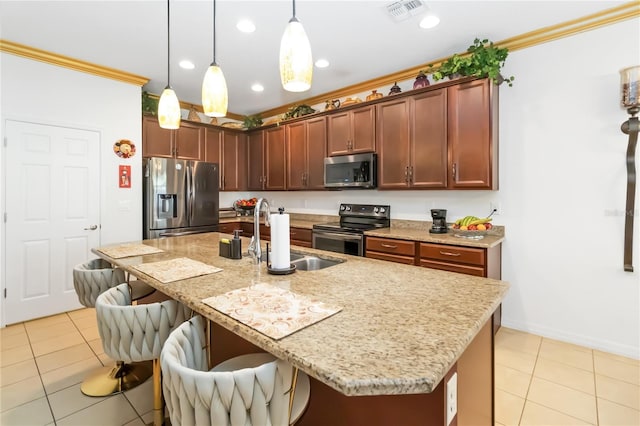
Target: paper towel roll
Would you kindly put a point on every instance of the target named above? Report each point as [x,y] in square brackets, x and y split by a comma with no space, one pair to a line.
[280,252]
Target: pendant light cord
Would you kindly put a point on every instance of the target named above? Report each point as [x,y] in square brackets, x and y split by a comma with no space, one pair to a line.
[168,45]
[214,34]
[294,8]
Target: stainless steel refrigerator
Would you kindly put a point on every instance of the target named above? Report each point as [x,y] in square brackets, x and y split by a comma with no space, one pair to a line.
[180,197]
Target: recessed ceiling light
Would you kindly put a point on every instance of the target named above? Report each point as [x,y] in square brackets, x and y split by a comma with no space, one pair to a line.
[257,87]
[322,63]
[187,65]
[246,26]
[429,21]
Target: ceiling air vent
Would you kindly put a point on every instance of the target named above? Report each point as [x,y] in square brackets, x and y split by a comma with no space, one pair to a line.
[405,9]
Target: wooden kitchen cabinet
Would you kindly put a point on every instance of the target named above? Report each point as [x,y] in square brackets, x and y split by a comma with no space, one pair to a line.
[247,229]
[352,131]
[412,142]
[481,262]
[473,135]
[392,250]
[275,158]
[229,227]
[300,236]
[184,143]
[266,159]
[233,170]
[306,142]
[256,177]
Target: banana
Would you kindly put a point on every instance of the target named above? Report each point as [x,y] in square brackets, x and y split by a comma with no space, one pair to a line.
[472,220]
[479,221]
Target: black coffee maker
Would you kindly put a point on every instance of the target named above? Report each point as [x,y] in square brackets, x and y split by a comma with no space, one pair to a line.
[439,225]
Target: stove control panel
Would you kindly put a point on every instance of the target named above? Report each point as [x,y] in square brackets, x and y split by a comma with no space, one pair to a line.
[367,210]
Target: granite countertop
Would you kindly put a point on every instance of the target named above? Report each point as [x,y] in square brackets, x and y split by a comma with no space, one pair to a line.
[401,328]
[400,229]
[422,234]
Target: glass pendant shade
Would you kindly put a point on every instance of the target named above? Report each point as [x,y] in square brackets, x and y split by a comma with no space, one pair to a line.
[296,63]
[630,86]
[215,98]
[169,109]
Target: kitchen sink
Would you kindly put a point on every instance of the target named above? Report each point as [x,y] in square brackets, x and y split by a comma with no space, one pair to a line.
[292,256]
[312,263]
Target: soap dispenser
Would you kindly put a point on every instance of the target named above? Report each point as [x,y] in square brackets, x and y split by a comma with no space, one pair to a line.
[236,245]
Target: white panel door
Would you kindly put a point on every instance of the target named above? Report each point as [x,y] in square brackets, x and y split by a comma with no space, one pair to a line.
[53,216]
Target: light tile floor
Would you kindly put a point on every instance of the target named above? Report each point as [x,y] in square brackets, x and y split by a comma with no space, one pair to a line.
[538,381]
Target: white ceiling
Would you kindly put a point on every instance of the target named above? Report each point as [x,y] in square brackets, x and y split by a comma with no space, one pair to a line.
[359,38]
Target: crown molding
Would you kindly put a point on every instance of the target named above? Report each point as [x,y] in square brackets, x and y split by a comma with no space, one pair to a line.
[71,63]
[533,38]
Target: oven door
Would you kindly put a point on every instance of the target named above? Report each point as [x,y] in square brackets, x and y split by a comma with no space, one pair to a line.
[339,242]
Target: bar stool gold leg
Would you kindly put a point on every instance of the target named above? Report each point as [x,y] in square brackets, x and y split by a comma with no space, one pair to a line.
[294,382]
[158,402]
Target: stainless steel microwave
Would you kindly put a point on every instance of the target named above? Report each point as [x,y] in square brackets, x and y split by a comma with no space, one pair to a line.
[351,171]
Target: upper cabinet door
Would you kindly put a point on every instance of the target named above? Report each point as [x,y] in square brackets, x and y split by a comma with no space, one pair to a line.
[393,144]
[275,165]
[212,149]
[296,155]
[316,152]
[352,132]
[156,141]
[255,161]
[472,130]
[429,140]
[234,154]
[363,130]
[188,141]
[339,133]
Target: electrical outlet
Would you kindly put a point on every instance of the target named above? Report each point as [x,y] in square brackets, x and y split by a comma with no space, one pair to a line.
[495,205]
[452,398]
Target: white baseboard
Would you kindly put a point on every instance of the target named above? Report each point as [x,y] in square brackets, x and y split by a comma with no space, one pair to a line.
[576,339]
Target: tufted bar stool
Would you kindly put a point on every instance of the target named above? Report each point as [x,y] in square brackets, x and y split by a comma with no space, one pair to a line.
[253,389]
[137,333]
[90,279]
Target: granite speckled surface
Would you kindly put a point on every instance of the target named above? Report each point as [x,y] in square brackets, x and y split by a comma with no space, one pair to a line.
[400,330]
[400,229]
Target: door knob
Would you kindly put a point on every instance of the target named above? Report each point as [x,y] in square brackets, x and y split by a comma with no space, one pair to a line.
[91,228]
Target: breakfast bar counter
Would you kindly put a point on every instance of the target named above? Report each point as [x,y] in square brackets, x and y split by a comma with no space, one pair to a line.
[400,329]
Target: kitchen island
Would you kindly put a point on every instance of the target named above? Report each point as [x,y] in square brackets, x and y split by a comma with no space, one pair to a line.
[383,357]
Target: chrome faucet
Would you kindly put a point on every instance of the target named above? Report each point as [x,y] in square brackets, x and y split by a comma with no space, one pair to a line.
[254,247]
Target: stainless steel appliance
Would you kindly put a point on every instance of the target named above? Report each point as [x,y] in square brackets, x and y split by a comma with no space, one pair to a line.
[179,197]
[347,236]
[350,171]
[439,224]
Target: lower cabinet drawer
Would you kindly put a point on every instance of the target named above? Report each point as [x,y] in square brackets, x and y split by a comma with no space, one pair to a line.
[386,245]
[300,243]
[390,257]
[300,234]
[454,254]
[453,267]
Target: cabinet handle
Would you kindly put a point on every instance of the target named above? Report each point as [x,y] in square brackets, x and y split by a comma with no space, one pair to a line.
[448,253]
[292,233]
[388,246]
[454,171]
[410,174]
[264,181]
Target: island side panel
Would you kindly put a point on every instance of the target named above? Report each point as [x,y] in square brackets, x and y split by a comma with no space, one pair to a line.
[475,380]
[328,406]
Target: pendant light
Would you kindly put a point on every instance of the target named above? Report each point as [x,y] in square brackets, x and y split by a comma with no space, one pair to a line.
[215,98]
[296,64]
[169,105]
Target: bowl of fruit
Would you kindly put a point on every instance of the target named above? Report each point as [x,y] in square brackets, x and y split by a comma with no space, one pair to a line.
[472,227]
[246,205]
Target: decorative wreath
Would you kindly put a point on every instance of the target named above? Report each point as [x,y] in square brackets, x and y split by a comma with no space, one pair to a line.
[124,148]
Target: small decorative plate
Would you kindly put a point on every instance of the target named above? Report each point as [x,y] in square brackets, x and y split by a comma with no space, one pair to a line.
[124,148]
